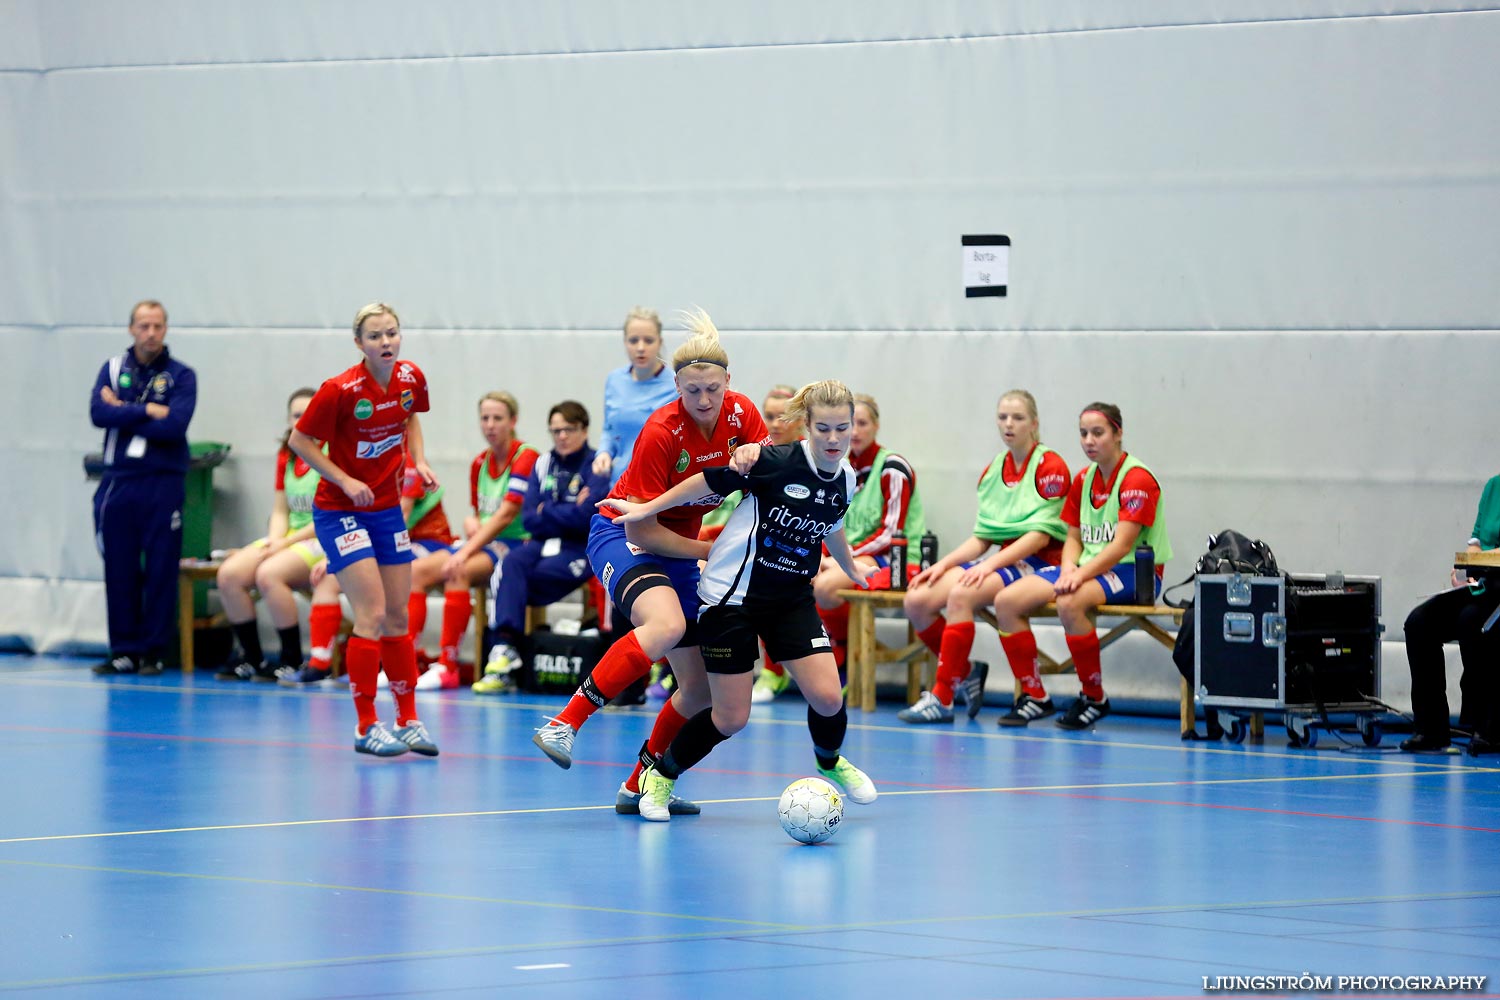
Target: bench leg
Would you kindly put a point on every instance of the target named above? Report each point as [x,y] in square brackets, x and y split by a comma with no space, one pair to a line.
[914,667]
[185,623]
[861,656]
[480,598]
[1186,714]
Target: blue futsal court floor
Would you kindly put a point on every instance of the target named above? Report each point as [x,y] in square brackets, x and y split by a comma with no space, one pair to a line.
[185,837]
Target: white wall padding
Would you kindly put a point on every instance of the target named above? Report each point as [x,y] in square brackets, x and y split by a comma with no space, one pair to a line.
[1265,229]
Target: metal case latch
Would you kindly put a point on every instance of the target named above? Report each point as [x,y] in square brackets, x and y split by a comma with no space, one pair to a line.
[1272,629]
[1237,591]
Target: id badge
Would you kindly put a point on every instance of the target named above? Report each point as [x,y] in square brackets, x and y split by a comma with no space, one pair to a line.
[136,448]
[551,547]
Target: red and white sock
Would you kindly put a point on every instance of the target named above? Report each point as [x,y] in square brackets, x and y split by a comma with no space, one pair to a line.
[1085,650]
[322,631]
[456,612]
[362,659]
[1020,653]
[953,660]
[399,657]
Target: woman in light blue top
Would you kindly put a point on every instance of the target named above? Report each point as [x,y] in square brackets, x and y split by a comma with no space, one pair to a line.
[633,393]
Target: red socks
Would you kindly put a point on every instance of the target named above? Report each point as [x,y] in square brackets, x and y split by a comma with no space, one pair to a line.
[1085,650]
[362,660]
[953,657]
[932,636]
[416,614]
[322,630]
[1020,652]
[669,722]
[399,657]
[456,611]
[622,664]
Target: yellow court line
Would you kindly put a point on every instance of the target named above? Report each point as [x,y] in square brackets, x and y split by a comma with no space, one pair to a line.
[769,930]
[1004,789]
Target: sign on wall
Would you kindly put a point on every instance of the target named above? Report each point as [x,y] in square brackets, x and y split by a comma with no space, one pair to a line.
[986,265]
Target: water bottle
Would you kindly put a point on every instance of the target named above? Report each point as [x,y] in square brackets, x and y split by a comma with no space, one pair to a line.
[1145,575]
[898,560]
[929,551]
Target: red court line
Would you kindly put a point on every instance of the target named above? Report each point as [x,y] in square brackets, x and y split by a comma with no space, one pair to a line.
[1258,809]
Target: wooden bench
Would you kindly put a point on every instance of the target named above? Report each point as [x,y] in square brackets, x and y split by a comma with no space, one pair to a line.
[865,650]
[191,572]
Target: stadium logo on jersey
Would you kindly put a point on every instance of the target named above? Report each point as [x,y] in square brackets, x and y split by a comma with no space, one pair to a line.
[682,461]
[1097,534]
[364,410]
[799,492]
[374,449]
[408,400]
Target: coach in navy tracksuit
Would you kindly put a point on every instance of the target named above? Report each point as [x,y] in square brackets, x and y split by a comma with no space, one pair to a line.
[560,496]
[143,399]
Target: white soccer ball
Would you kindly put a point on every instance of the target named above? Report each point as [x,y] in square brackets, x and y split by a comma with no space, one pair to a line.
[811,810]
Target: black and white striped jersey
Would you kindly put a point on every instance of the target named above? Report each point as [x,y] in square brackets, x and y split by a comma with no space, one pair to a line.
[774,538]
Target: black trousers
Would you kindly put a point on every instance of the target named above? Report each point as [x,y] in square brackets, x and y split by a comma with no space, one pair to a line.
[138,529]
[1455,614]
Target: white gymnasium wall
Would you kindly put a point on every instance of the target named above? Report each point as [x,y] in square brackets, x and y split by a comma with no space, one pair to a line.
[1265,229]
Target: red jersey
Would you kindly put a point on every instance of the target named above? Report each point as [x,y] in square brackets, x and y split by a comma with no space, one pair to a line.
[432,525]
[1139,494]
[299,468]
[365,428]
[672,449]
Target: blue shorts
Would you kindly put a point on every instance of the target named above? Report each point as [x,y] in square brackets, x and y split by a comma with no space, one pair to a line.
[347,536]
[494,552]
[1010,574]
[1118,582]
[616,562]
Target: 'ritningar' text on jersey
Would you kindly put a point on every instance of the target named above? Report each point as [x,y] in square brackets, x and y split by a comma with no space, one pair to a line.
[773,542]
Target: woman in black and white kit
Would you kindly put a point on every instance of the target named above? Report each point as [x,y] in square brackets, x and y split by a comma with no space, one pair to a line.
[757,584]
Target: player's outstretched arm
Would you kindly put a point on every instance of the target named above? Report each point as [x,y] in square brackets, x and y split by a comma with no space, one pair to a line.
[632,511]
[838,548]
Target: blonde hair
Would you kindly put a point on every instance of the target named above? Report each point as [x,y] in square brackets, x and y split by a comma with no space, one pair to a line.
[374,309]
[869,400]
[1027,400]
[780,391]
[702,346]
[641,312]
[829,393]
[501,396]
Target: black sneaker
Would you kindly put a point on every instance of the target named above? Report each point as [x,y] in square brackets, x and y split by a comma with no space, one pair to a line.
[1083,713]
[971,688]
[150,668]
[1425,743]
[235,670]
[265,673]
[1028,709]
[123,663]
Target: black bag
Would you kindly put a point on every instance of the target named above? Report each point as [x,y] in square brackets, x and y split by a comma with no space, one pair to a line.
[1228,552]
[557,664]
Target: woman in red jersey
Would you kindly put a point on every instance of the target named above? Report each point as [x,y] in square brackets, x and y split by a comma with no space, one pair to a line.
[366,414]
[650,568]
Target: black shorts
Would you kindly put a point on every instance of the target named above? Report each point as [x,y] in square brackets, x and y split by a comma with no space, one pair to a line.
[729,635]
